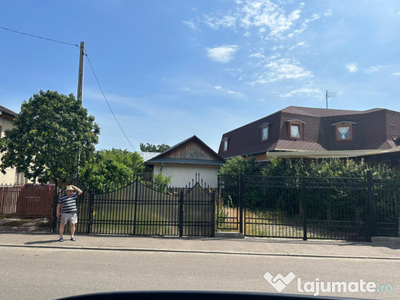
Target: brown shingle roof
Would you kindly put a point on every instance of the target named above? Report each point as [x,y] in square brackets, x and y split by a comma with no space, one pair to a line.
[372,129]
[8,112]
[323,112]
[296,145]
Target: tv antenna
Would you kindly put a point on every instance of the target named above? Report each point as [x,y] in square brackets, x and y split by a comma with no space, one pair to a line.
[329,95]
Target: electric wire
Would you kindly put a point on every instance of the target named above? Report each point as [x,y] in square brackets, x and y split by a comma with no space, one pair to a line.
[39,37]
[98,83]
[105,98]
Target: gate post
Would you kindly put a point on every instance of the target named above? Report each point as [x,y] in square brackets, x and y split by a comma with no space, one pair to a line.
[241,188]
[213,214]
[303,188]
[136,200]
[180,221]
[54,225]
[370,206]
[91,208]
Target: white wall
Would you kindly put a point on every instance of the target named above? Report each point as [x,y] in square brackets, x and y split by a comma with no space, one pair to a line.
[181,175]
[11,177]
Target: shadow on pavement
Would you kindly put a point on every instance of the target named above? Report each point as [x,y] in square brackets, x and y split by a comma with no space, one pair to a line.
[42,242]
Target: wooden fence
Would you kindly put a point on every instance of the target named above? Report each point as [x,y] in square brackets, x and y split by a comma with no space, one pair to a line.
[29,200]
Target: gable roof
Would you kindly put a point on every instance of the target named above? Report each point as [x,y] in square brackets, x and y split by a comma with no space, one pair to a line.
[173,156]
[8,112]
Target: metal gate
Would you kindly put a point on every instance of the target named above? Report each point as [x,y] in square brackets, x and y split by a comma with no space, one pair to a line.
[137,209]
[229,204]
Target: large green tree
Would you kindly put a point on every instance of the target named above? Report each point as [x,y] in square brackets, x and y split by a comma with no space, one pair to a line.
[53,135]
[110,168]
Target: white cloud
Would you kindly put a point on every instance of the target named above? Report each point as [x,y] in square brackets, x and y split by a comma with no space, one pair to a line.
[236,94]
[281,69]
[191,24]
[373,69]
[215,22]
[265,14]
[280,47]
[307,92]
[222,54]
[297,45]
[396,74]
[352,67]
[257,55]
[190,90]
[328,13]
[303,25]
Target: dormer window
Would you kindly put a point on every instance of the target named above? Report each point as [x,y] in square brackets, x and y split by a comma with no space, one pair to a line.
[264,131]
[344,131]
[296,129]
[225,144]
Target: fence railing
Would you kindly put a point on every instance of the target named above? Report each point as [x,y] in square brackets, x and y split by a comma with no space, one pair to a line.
[305,207]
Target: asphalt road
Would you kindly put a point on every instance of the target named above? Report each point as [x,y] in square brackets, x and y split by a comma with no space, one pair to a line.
[37,273]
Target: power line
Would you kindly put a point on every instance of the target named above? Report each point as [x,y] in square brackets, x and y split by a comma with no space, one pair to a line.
[105,98]
[39,37]
[76,45]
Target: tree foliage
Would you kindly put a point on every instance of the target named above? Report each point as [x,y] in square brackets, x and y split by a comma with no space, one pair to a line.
[333,167]
[51,133]
[153,148]
[111,168]
[235,165]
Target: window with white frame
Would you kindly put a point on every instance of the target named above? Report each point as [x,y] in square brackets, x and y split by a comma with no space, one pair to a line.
[264,131]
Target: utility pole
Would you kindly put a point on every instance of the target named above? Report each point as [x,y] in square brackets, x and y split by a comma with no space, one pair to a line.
[79,94]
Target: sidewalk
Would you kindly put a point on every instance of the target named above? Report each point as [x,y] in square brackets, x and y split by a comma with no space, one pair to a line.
[246,246]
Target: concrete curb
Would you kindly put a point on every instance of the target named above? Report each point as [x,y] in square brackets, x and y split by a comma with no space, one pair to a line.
[198,252]
[229,235]
[384,239]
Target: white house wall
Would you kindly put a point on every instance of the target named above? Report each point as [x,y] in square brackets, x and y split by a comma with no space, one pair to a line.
[11,176]
[181,176]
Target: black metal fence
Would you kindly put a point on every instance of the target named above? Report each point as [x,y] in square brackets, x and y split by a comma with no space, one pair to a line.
[305,207]
[137,209]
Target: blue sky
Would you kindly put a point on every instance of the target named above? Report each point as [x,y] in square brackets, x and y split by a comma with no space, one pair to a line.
[177,68]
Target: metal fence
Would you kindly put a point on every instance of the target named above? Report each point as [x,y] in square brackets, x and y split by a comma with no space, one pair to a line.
[137,209]
[305,207]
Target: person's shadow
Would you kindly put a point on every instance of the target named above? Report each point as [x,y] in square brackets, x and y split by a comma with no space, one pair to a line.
[42,242]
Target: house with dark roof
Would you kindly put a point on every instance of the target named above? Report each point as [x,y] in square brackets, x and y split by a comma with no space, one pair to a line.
[303,132]
[188,162]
